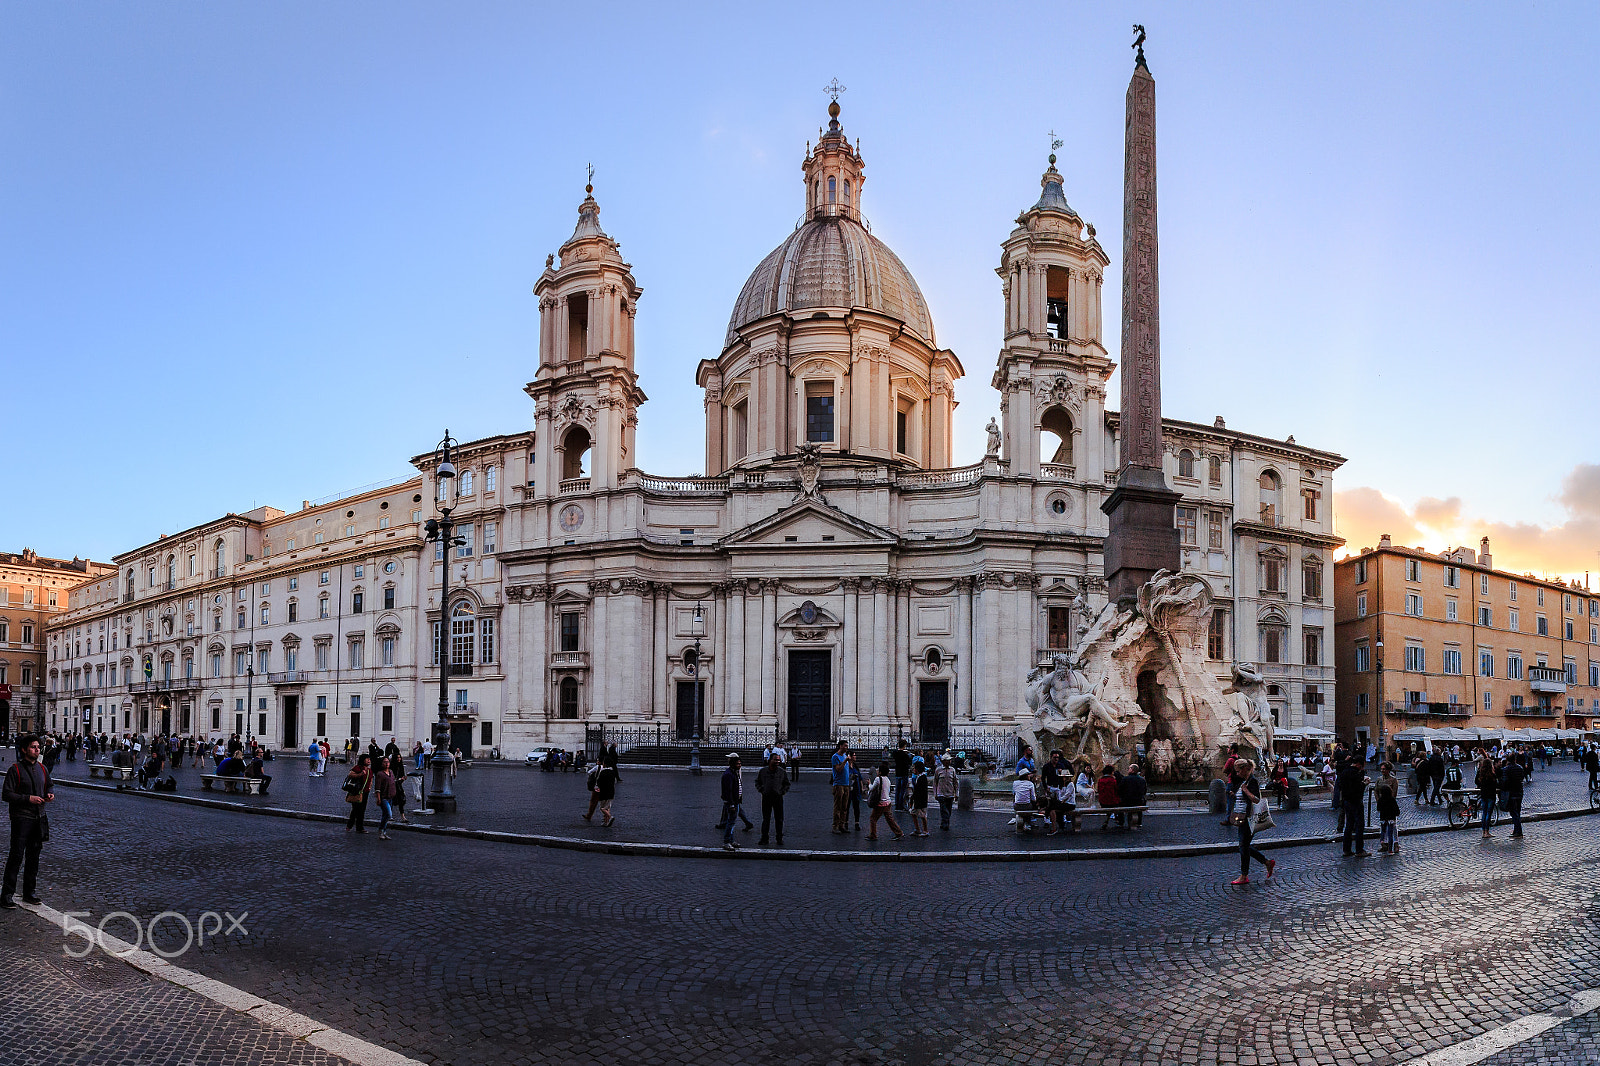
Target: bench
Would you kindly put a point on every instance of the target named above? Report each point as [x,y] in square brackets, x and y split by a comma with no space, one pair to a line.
[112,773]
[248,785]
[1079,813]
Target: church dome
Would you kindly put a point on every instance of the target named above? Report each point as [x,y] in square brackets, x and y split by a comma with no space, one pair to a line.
[832,261]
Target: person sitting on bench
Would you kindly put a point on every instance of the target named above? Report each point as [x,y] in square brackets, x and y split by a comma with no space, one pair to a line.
[254,769]
[232,766]
[1107,791]
[1025,802]
[1133,792]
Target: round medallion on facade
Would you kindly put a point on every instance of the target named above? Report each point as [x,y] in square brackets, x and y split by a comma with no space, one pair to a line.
[808,613]
[571,518]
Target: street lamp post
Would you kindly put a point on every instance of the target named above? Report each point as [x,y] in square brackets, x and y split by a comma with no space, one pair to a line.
[694,675]
[442,532]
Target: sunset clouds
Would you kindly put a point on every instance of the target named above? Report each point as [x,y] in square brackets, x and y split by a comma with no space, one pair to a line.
[1567,549]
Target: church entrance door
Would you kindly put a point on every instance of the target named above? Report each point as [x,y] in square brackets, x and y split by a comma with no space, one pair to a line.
[933,697]
[691,709]
[810,685]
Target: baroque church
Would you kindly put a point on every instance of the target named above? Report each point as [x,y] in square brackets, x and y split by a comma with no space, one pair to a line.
[837,572]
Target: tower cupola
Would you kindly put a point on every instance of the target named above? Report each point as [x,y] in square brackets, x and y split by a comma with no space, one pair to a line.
[833,172]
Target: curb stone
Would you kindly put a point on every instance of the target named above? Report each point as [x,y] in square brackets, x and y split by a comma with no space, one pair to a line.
[693,851]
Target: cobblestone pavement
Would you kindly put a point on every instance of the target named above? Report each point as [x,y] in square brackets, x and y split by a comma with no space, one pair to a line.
[674,807]
[467,951]
[1577,1043]
[98,1010]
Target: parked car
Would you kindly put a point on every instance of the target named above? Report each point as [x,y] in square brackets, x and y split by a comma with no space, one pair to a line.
[537,755]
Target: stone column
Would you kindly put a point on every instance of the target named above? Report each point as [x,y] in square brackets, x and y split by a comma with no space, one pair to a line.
[848,646]
[661,704]
[962,675]
[535,653]
[992,642]
[883,654]
[737,638]
[1143,537]
[599,642]
[718,698]
[769,647]
[902,648]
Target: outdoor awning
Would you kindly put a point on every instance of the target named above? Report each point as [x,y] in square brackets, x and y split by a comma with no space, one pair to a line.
[1311,732]
[1416,732]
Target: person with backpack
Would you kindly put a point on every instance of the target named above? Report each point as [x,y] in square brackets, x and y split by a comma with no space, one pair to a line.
[605,789]
[772,782]
[357,784]
[1247,807]
[880,799]
[592,782]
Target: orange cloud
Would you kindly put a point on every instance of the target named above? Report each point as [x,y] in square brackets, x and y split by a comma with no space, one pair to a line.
[1567,549]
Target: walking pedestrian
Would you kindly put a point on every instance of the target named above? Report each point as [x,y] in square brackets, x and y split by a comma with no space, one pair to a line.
[732,793]
[1352,790]
[919,797]
[772,782]
[1591,763]
[314,757]
[841,786]
[944,789]
[26,790]
[881,800]
[605,790]
[1388,818]
[593,783]
[794,761]
[1512,778]
[1488,785]
[858,791]
[384,789]
[357,785]
[1247,805]
[902,774]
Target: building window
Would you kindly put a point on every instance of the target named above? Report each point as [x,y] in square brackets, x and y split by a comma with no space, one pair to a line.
[388,651]
[1514,667]
[322,606]
[819,412]
[1185,463]
[294,610]
[356,654]
[1058,627]
[322,656]
[1217,635]
[1485,662]
[1272,644]
[1486,616]
[1416,659]
[1215,464]
[1450,608]
[1361,605]
[1452,577]
[1569,628]
[1313,646]
[1214,529]
[1414,604]
[1513,590]
[216,664]
[1311,578]
[463,627]
[1452,660]
[569,631]
[1361,571]
[1542,625]
[489,479]
[1310,496]
[1413,570]
[1361,703]
[291,657]
[1363,658]
[1513,621]
[240,663]
[388,598]
[1312,699]
[1189,525]
[486,640]
[466,483]
[1540,594]
[900,432]
[490,532]
[1271,574]
[357,600]
[1488,701]
[569,697]
[239,622]
[355,703]
[322,578]
[464,533]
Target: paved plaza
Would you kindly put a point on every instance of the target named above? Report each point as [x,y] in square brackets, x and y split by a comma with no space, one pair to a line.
[466,951]
[671,806]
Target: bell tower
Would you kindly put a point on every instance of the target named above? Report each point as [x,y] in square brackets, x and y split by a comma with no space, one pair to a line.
[1052,371]
[586,394]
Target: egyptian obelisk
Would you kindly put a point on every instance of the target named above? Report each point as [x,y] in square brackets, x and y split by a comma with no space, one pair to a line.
[1143,537]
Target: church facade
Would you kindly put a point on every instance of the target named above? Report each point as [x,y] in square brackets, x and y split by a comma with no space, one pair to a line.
[835,572]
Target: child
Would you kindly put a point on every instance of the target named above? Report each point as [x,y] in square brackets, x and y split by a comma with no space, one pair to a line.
[1388,812]
[919,797]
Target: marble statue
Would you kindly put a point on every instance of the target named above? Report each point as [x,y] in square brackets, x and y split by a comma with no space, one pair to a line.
[993,429]
[1067,707]
[1250,722]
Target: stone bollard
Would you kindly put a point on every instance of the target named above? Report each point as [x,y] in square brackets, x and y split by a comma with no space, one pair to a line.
[1219,797]
[1291,798]
[964,793]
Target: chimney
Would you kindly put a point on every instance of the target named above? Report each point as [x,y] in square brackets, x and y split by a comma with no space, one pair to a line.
[1485,560]
[1385,542]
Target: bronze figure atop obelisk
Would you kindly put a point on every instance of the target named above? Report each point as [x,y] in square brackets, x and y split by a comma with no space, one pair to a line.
[1143,537]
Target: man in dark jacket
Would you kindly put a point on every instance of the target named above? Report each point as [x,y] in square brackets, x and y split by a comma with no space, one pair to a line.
[1435,768]
[732,794]
[26,790]
[772,782]
[1512,776]
[1351,786]
[902,775]
[1591,763]
[1133,792]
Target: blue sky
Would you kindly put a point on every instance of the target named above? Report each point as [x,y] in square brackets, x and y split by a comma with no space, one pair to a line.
[253,254]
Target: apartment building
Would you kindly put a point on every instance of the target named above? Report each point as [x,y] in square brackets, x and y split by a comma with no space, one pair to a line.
[272,624]
[33,590]
[1446,639]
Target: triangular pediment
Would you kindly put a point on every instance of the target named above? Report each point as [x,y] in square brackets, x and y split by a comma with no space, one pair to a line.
[809,522]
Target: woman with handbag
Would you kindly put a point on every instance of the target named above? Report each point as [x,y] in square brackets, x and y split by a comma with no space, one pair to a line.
[357,783]
[881,801]
[1247,806]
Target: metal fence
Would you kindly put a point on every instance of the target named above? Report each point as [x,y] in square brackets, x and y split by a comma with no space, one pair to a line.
[999,744]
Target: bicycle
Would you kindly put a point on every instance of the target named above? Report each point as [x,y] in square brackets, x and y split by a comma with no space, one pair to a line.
[1594,797]
[1463,808]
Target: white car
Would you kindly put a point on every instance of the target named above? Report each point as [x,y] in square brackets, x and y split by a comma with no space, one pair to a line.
[536,756]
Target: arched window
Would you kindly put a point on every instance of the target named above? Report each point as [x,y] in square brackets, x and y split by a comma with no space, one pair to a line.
[1055,437]
[466,483]
[575,454]
[129,593]
[172,570]
[569,697]
[832,191]
[1186,463]
[1271,487]
[1216,469]
[847,192]
[463,638]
